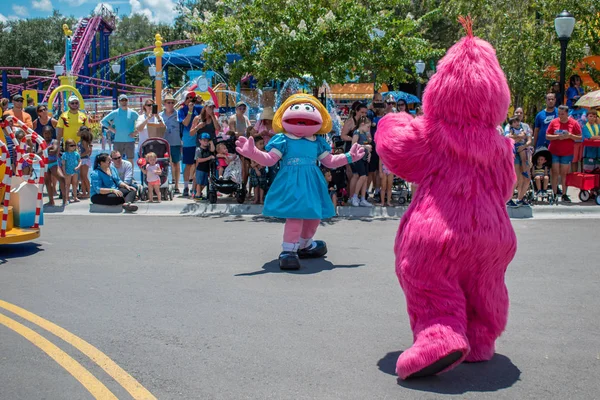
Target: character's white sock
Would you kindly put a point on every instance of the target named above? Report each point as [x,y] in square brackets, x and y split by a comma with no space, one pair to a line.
[306,243]
[355,196]
[290,246]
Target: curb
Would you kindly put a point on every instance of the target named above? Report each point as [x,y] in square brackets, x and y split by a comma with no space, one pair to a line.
[234,209]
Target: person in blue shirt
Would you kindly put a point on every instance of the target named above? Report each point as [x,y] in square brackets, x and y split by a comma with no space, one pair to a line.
[121,122]
[107,188]
[185,116]
[542,120]
[575,91]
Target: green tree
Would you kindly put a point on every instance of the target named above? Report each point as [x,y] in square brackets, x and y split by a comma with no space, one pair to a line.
[35,42]
[318,40]
[524,37]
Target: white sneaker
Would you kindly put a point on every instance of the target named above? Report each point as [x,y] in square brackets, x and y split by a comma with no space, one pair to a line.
[355,202]
[365,203]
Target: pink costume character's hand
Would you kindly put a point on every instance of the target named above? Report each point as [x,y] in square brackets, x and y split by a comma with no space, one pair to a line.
[403,147]
[357,152]
[333,162]
[245,147]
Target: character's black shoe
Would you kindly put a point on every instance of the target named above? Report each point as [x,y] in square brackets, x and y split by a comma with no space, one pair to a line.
[288,260]
[316,250]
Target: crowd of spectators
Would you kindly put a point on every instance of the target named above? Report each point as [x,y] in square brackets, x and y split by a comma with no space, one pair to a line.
[193,131]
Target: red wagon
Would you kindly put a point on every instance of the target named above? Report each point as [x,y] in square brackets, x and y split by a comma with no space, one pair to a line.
[588,184]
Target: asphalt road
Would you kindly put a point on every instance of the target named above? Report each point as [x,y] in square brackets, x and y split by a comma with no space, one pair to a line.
[196,308]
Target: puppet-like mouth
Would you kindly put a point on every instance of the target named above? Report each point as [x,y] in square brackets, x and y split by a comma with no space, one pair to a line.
[301,122]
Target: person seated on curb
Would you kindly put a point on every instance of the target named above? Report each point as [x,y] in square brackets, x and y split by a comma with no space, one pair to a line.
[125,169]
[107,188]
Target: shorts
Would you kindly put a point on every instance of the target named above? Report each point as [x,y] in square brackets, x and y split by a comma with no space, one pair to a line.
[52,164]
[189,154]
[175,154]
[518,160]
[540,174]
[563,160]
[385,169]
[154,183]
[201,178]
[374,163]
[86,161]
[222,163]
[359,167]
[125,148]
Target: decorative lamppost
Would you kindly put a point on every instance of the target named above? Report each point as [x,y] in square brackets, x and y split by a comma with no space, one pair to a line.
[564,24]
[158,52]
[420,68]
[116,69]
[152,72]
[24,75]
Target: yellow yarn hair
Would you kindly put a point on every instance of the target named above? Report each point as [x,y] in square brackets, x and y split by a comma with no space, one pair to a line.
[298,99]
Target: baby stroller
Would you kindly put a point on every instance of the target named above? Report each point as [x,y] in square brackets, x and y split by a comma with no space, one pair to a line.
[162,150]
[401,191]
[547,195]
[230,183]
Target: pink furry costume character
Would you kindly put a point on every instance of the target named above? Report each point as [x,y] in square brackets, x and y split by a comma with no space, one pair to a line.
[299,193]
[456,240]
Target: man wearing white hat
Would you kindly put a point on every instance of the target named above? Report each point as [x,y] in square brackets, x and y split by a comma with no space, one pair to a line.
[70,121]
[123,119]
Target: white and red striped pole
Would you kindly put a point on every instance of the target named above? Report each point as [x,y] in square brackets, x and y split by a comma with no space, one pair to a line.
[32,158]
[5,159]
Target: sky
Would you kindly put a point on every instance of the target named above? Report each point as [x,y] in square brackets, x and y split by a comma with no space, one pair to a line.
[156,10]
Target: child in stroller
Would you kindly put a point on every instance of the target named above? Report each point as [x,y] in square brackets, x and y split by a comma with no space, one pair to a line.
[161,148]
[542,163]
[229,181]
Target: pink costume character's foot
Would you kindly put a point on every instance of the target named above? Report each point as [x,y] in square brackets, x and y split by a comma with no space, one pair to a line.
[436,349]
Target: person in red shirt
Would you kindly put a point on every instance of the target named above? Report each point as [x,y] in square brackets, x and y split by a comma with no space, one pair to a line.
[562,134]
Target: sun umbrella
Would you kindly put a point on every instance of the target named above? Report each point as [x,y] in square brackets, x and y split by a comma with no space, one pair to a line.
[591,99]
[407,97]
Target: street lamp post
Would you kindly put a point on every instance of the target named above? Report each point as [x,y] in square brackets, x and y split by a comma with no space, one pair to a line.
[116,69]
[152,72]
[563,24]
[420,68]
[24,75]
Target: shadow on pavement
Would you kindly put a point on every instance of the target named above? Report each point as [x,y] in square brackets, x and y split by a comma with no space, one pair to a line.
[10,251]
[498,373]
[48,209]
[308,267]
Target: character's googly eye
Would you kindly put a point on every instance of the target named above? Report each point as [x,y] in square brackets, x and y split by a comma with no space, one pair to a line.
[295,107]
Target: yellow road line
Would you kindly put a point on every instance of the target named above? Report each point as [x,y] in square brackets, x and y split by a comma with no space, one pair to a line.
[89,381]
[135,389]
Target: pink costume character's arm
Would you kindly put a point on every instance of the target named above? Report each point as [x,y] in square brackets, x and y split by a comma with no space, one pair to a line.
[245,147]
[331,161]
[402,146]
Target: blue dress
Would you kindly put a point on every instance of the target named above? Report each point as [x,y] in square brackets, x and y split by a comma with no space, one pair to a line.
[299,190]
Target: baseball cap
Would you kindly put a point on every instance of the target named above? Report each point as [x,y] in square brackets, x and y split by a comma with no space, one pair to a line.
[209,103]
[17,97]
[169,97]
[205,136]
[73,98]
[241,103]
[191,94]
[123,97]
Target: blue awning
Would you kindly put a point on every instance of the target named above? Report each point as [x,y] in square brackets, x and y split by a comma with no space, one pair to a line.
[186,57]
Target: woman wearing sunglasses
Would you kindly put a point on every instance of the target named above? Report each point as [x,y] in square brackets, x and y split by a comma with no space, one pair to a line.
[43,120]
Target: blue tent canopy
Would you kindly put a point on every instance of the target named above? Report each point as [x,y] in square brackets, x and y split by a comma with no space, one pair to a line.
[187,57]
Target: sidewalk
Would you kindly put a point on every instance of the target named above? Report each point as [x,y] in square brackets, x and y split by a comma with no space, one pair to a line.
[181,206]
